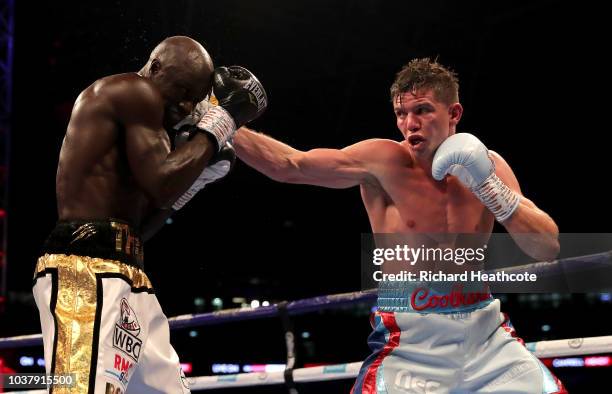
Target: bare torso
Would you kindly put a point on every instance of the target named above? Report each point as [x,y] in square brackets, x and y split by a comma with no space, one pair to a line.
[407,200]
[93,179]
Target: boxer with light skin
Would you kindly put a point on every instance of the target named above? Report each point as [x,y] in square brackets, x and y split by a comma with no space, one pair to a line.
[434,181]
[397,187]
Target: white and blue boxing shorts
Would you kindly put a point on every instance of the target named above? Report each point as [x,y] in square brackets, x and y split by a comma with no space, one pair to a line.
[430,340]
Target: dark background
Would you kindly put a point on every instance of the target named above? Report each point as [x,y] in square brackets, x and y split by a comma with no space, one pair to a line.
[534,85]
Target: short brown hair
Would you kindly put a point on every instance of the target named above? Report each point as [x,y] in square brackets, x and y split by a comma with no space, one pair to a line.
[426,74]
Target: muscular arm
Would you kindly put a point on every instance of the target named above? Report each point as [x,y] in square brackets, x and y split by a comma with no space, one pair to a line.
[333,168]
[533,230]
[162,174]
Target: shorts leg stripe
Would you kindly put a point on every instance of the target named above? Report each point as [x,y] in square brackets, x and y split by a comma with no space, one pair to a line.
[52,305]
[369,382]
[96,335]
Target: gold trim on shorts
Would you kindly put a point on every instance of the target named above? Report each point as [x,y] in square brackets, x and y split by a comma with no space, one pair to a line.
[76,307]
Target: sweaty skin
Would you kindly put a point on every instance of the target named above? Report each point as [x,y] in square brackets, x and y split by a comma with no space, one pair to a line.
[397,188]
[115,161]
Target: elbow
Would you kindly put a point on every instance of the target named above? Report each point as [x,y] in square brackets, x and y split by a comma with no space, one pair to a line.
[547,248]
[550,251]
[553,247]
[556,249]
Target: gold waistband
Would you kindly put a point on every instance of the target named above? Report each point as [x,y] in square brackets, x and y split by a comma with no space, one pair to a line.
[106,239]
[85,267]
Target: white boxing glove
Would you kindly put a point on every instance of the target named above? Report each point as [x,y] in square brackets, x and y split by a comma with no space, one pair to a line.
[217,168]
[466,157]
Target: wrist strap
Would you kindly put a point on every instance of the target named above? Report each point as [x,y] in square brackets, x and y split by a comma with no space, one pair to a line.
[219,123]
[497,197]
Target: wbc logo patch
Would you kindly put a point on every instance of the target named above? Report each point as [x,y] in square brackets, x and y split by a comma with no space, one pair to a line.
[127,329]
[128,319]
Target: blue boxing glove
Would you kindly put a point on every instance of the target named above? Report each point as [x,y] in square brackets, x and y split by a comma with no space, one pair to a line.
[466,157]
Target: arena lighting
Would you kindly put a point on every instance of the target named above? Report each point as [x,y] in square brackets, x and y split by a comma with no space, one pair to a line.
[187,367]
[217,302]
[598,361]
[226,368]
[221,368]
[263,367]
[580,362]
[571,362]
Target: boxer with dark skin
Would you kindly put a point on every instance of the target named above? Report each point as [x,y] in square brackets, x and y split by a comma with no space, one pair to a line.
[116,160]
[117,182]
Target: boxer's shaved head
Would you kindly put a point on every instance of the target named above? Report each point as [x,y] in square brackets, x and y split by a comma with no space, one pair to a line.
[182,51]
[182,70]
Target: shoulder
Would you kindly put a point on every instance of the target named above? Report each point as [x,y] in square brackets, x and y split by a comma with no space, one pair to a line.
[123,91]
[127,87]
[382,151]
[130,96]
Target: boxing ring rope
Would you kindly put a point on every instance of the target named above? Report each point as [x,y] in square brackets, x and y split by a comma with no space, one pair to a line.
[541,349]
[232,315]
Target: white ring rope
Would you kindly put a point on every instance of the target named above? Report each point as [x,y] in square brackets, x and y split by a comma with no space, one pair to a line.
[542,349]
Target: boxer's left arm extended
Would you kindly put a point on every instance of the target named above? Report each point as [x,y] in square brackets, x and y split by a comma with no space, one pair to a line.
[333,168]
[492,180]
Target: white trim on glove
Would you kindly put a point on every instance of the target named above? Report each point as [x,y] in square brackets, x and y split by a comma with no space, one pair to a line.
[219,123]
[209,175]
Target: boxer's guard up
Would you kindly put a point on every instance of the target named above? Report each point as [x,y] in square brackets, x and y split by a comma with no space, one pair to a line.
[117,182]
